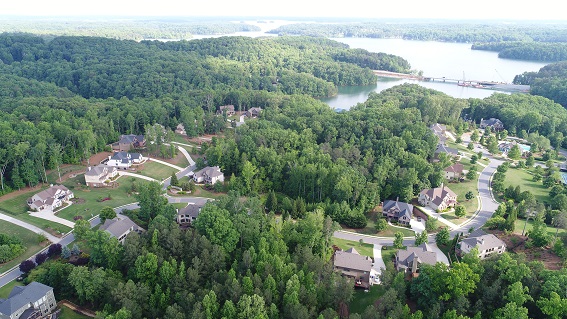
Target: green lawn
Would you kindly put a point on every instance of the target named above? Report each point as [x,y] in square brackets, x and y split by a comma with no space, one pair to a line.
[370,228]
[87,204]
[361,300]
[6,289]
[156,170]
[67,313]
[53,176]
[388,254]
[523,178]
[519,226]
[461,189]
[365,249]
[29,239]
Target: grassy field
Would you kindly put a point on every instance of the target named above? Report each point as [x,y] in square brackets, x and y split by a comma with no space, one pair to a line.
[28,238]
[361,300]
[523,178]
[461,189]
[365,249]
[519,226]
[87,204]
[6,289]
[156,170]
[67,313]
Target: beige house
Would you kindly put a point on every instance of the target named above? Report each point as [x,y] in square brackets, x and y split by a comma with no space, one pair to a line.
[228,109]
[397,211]
[188,214]
[100,175]
[439,198]
[128,142]
[253,112]
[487,244]
[51,198]
[120,227]
[353,265]
[454,171]
[180,129]
[412,258]
[209,175]
[34,301]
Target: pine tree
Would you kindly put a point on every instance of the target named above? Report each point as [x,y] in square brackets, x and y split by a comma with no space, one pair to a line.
[174,180]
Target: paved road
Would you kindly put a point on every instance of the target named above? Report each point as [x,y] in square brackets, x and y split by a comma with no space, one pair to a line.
[31,227]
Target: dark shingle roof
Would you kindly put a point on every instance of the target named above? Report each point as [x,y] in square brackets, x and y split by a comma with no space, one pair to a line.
[352,260]
[401,208]
[191,210]
[20,296]
[117,227]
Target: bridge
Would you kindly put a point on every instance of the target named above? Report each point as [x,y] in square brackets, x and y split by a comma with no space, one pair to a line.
[479,84]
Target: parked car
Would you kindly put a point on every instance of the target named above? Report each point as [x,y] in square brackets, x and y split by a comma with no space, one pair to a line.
[418,218]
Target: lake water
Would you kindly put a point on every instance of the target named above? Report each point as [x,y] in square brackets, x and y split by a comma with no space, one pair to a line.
[435,59]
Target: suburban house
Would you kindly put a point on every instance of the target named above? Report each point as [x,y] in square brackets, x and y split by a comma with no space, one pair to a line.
[353,265]
[180,129]
[35,300]
[253,112]
[451,152]
[505,147]
[487,244]
[50,198]
[494,124]
[120,227]
[124,160]
[439,130]
[412,258]
[188,214]
[454,171]
[128,142]
[397,211]
[229,109]
[439,198]
[100,175]
[209,175]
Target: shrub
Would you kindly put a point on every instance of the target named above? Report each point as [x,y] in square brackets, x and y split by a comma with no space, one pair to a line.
[77,217]
[54,250]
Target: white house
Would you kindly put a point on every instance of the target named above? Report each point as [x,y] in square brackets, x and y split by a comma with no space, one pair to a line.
[50,198]
[100,175]
[124,160]
[35,300]
[209,175]
[487,244]
[439,198]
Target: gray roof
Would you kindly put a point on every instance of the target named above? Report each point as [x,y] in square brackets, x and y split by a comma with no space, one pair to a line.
[135,156]
[483,241]
[352,260]
[444,149]
[423,253]
[400,208]
[118,226]
[51,191]
[191,210]
[209,171]
[438,128]
[438,194]
[120,157]
[131,138]
[98,170]
[20,296]
[455,168]
[490,122]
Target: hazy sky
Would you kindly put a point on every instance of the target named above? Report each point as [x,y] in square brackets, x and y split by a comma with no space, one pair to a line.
[450,9]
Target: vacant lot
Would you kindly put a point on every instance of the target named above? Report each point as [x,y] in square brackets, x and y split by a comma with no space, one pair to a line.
[361,300]
[28,238]
[523,178]
[364,249]
[521,223]
[88,201]
[156,170]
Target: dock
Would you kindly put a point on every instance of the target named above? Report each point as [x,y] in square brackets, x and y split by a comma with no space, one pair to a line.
[477,84]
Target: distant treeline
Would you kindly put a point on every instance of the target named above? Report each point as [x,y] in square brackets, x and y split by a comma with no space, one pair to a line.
[535,51]
[125,29]
[550,82]
[467,33]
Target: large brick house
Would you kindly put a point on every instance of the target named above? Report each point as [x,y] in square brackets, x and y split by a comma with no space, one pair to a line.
[128,142]
[487,244]
[411,259]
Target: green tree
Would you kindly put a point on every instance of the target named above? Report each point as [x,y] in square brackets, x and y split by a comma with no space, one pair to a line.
[554,306]
[174,181]
[420,238]
[443,236]
[150,199]
[539,234]
[511,311]
[514,152]
[471,174]
[271,202]
[431,224]
[106,213]
[474,136]
[216,225]
[460,211]
[469,195]
[530,161]
[399,240]
[460,281]
[381,224]
[82,228]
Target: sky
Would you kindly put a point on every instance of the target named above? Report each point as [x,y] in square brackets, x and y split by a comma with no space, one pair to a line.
[436,9]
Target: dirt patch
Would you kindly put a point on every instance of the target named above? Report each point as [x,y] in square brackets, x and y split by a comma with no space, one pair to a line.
[98,157]
[516,243]
[77,200]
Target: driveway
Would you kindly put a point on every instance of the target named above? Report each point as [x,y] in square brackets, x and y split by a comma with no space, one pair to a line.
[50,215]
[27,226]
[439,217]
[124,173]
[186,154]
[441,257]
[165,163]
[416,226]
[378,261]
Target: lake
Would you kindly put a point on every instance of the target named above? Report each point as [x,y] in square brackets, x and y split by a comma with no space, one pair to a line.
[435,59]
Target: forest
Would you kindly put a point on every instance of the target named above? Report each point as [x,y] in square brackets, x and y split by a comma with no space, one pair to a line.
[550,82]
[124,29]
[534,51]
[431,31]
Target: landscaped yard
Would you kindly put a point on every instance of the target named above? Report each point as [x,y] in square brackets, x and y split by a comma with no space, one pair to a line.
[361,300]
[461,190]
[67,313]
[523,178]
[87,200]
[364,249]
[156,170]
[29,239]
[370,228]
[6,289]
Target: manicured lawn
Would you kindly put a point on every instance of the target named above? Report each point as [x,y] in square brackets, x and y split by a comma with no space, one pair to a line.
[365,249]
[361,300]
[87,199]
[390,231]
[67,313]
[519,226]
[156,170]
[461,189]
[179,205]
[523,178]
[389,253]
[29,239]
[6,289]
[201,192]
[370,228]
